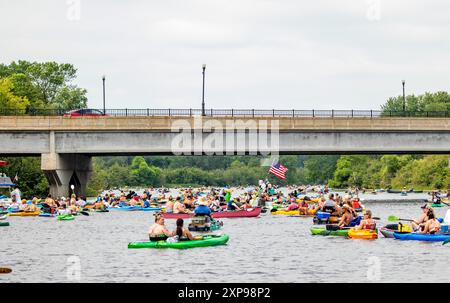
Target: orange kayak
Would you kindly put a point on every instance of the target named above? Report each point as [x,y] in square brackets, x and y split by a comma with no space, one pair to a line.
[25,214]
[362,234]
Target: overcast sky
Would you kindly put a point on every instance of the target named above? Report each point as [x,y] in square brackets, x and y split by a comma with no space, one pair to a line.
[321,54]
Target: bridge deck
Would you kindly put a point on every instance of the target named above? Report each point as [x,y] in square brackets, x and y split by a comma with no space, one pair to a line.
[165,124]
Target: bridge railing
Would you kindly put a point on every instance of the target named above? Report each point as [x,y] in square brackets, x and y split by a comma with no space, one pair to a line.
[246,113]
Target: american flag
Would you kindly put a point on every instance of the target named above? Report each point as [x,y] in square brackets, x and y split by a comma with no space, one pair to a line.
[278,170]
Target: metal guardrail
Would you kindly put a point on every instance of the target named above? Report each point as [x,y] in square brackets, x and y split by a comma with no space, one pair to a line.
[149,112]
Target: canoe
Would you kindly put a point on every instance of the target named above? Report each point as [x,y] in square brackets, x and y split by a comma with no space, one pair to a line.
[4,223]
[322,231]
[210,240]
[3,217]
[65,217]
[251,212]
[422,237]
[362,234]
[24,214]
[311,212]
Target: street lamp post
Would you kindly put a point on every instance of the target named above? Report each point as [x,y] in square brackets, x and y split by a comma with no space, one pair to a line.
[203,91]
[404,99]
[104,104]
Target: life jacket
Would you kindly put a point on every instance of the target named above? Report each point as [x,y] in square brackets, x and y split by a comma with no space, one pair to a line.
[355,203]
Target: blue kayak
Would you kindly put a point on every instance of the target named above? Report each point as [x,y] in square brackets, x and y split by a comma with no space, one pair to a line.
[135,208]
[47,215]
[421,237]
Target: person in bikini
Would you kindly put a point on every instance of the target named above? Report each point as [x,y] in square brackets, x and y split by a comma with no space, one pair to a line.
[367,222]
[432,225]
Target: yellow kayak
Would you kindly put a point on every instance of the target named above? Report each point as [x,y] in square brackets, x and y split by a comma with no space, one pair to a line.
[362,234]
[313,200]
[25,214]
[311,212]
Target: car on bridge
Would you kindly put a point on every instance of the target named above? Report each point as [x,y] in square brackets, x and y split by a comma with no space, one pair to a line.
[84,112]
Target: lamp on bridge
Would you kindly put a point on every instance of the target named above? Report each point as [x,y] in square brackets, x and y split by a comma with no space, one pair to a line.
[203,91]
[104,104]
[404,99]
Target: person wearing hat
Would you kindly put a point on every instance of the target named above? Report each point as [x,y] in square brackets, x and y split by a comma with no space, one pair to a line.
[419,224]
[203,208]
[347,217]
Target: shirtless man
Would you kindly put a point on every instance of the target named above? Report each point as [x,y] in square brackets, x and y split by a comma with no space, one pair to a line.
[158,231]
[347,217]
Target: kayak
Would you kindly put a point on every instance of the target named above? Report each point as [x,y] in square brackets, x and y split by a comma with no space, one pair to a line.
[362,234]
[322,231]
[251,212]
[215,225]
[311,212]
[101,210]
[436,205]
[312,200]
[210,240]
[3,217]
[47,215]
[65,217]
[422,237]
[330,220]
[24,214]
[389,230]
[4,223]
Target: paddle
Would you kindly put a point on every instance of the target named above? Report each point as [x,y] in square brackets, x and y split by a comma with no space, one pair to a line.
[394,218]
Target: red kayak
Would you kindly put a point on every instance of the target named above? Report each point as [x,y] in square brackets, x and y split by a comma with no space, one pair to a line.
[251,212]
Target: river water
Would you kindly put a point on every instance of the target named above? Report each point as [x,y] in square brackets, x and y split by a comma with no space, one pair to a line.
[265,249]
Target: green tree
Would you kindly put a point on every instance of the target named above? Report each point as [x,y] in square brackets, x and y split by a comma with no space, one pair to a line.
[7,98]
[45,84]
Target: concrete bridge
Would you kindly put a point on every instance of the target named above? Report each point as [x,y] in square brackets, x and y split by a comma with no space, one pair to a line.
[66,144]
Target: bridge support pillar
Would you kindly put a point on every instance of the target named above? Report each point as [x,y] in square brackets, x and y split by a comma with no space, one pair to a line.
[64,170]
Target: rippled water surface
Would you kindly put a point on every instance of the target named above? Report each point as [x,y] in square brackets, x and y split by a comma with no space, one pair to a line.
[265,249]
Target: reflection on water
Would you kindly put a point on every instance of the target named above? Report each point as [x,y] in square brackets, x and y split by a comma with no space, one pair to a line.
[265,249]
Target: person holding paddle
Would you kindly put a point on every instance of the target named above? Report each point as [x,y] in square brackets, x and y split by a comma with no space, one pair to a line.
[418,224]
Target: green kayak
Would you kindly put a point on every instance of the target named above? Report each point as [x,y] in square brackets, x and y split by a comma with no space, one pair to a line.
[65,217]
[210,240]
[324,232]
[4,223]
